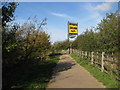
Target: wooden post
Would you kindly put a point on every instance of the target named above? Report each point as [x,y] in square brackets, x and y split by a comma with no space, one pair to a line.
[111,64]
[86,54]
[72,50]
[97,58]
[82,54]
[78,53]
[89,55]
[92,57]
[102,62]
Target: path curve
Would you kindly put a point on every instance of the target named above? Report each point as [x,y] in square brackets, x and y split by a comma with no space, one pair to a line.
[69,74]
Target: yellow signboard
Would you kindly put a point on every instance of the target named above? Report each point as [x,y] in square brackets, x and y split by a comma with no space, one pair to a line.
[73,28]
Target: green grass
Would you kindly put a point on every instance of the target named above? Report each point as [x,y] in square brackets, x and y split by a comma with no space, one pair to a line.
[106,79]
[32,75]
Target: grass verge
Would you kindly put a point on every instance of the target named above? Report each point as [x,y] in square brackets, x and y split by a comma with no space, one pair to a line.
[31,75]
[106,79]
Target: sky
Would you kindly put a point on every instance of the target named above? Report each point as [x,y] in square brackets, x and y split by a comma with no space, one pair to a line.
[86,14]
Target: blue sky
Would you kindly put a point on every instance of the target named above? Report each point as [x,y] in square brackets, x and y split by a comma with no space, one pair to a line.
[87,14]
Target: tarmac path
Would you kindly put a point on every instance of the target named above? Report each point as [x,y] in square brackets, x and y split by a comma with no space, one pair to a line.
[69,74]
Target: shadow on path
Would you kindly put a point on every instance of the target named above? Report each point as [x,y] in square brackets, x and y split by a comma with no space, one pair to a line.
[69,74]
[63,66]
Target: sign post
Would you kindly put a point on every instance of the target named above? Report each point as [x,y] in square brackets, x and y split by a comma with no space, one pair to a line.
[72,31]
[68,38]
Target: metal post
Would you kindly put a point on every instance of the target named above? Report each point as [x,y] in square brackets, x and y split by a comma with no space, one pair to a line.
[68,38]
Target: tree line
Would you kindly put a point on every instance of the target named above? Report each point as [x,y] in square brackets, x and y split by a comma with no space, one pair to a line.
[104,37]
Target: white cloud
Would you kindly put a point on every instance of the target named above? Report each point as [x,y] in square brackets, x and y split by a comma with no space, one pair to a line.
[104,7]
[97,10]
[61,15]
[91,19]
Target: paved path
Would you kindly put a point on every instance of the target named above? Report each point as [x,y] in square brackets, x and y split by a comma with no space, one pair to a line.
[69,74]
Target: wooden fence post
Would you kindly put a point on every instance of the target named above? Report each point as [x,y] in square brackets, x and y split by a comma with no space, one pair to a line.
[79,53]
[86,54]
[97,58]
[92,57]
[102,62]
[82,54]
[113,61]
[89,55]
[73,50]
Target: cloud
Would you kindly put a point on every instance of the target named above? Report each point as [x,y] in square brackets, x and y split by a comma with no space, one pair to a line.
[104,7]
[61,15]
[91,18]
[95,11]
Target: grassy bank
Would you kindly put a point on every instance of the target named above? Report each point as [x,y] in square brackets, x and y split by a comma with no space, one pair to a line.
[34,75]
[107,80]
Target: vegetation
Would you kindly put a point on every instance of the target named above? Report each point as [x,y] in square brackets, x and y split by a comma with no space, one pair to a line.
[33,75]
[8,10]
[62,45]
[22,43]
[25,51]
[102,38]
[108,81]
[26,48]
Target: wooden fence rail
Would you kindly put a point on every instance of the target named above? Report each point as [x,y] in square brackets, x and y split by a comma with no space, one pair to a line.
[107,63]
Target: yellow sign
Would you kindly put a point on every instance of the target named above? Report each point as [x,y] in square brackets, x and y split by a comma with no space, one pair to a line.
[73,29]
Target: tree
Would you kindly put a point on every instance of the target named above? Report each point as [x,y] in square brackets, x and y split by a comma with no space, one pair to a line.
[33,38]
[62,45]
[8,31]
[22,43]
[103,38]
[108,33]
[8,10]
